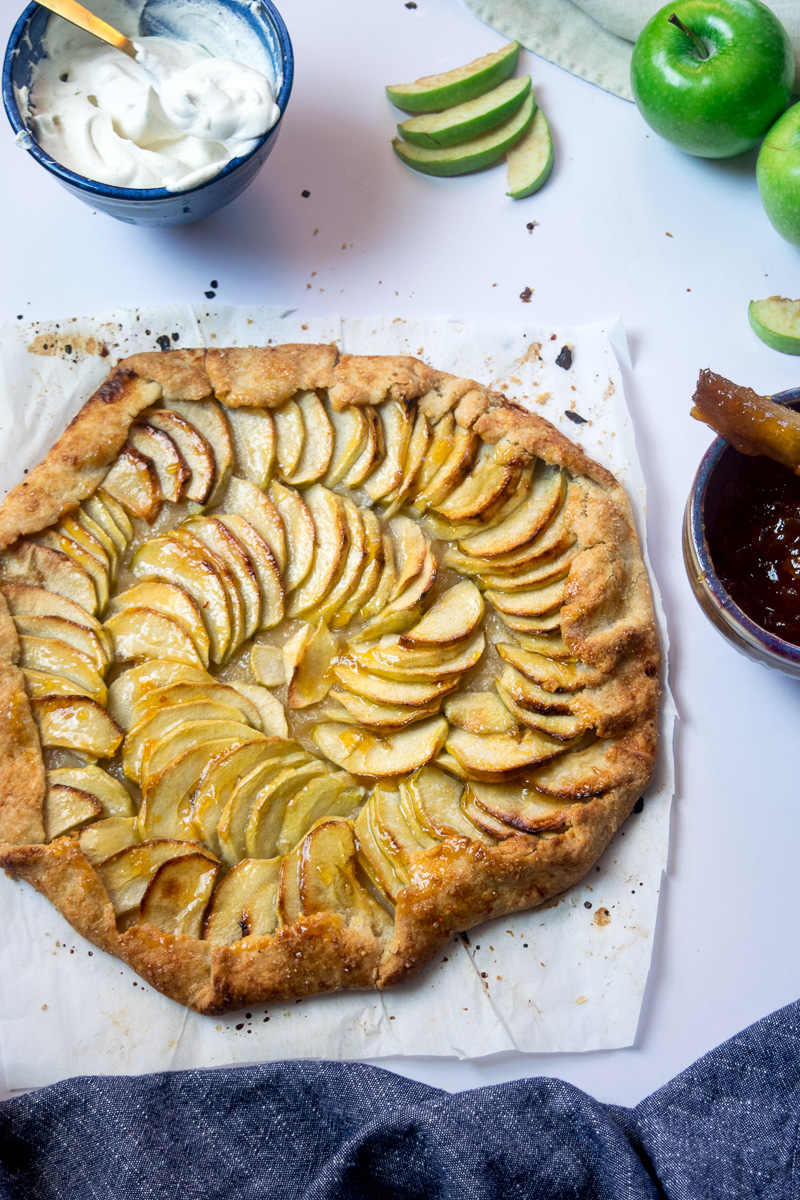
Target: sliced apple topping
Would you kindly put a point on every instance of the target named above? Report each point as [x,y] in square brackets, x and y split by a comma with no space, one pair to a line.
[172,602]
[454,617]
[223,771]
[562,726]
[113,798]
[551,675]
[128,689]
[184,691]
[157,722]
[498,755]
[227,578]
[139,633]
[265,567]
[533,696]
[209,420]
[386,876]
[358,711]
[371,570]
[436,798]
[372,451]
[546,497]
[243,904]
[178,893]
[26,601]
[300,534]
[398,421]
[479,712]
[170,465]
[117,513]
[268,665]
[193,449]
[531,602]
[349,440]
[494,474]
[311,676]
[76,723]
[327,512]
[453,470]
[66,808]
[271,716]
[603,765]
[245,499]
[126,874]
[364,753]
[399,839]
[254,440]
[98,511]
[97,572]
[399,614]
[221,731]
[391,691]
[266,788]
[323,796]
[177,562]
[102,839]
[72,528]
[328,881]
[30,564]
[50,656]
[77,636]
[522,807]
[395,662]
[290,436]
[317,441]
[133,482]
[415,456]
[218,538]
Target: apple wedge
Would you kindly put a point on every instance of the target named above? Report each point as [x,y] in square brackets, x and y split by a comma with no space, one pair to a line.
[371,571]
[27,600]
[493,476]
[475,153]
[98,512]
[530,695]
[156,723]
[254,441]
[244,499]
[390,691]
[218,538]
[300,534]
[451,619]
[72,528]
[172,602]
[379,598]
[436,798]
[208,419]
[290,434]
[546,497]
[223,732]
[328,882]
[418,444]
[321,797]
[317,441]
[133,482]
[497,755]
[311,677]
[209,559]
[170,466]
[127,690]
[525,809]
[479,816]
[142,633]
[97,572]
[231,914]
[539,575]
[384,875]
[551,645]
[77,636]
[268,665]
[399,614]
[776,321]
[39,684]
[266,790]
[395,662]
[398,421]
[271,715]
[434,92]
[364,753]
[193,449]
[379,716]
[331,543]
[586,773]
[410,549]
[455,467]
[466,120]
[30,564]
[116,511]
[53,657]
[178,893]
[223,772]
[352,566]
[529,602]
[102,839]
[530,161]
[184,691]
[126,874]
[479,712]
[66,808]
[76,723]
[552,676]
[399,841]
[372,451]
[175,561]
[349,428]
[113,798]
[265,567]
[564,727]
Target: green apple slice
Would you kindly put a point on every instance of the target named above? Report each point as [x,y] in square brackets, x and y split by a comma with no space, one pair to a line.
[467,120]
[530,161]
[777,322]
[434,92]
[472,155]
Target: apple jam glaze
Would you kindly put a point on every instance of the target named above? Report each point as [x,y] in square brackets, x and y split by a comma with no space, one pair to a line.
[754,543]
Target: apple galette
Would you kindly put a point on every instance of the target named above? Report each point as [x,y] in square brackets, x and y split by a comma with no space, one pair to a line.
[308,661]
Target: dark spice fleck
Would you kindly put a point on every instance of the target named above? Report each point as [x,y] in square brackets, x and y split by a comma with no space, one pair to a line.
[305,193]
[176,337]
[587,904]
[465,938]
[639,805]
[209,295]
[19,316]
[524,945]
[531,226]
[104,351]
[240,1025]
[213,284]
[483,975]
[68,349]
[564,358]
[573,416]
[410,4]
[525,295]
[163,341]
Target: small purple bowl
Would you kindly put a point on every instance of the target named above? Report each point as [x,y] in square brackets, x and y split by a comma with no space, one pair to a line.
[748,637]
[153,206]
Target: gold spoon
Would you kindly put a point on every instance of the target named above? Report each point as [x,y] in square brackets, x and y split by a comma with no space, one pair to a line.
[71,11]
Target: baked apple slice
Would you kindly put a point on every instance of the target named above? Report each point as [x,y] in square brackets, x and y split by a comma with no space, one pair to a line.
[495,756]
[239,906]
[245,499]
[328,881]
[300,534]
[173,602]
[170,466]
[254,440]
[209,420]
[364,753]
[178,893]
[193,449]
[102,839]
[79,637]
[349,429]
[175,561]
[317,442]
[140,634]
[126,874]
[66,808]
[526,522]
[290,435]
[133,482]
[31,564]
[76,723]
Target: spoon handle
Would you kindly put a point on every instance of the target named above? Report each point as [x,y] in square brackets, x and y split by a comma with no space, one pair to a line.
[80,16]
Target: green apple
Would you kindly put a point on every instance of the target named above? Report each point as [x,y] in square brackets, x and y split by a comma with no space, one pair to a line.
[712,75]
[778,174]
[777,322]
[530,161]
[472,155]
[469,119]
[435,92]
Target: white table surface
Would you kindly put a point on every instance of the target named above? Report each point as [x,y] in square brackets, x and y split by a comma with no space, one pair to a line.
[626,225]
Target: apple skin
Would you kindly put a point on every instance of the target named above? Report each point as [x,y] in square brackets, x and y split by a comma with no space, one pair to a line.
[778,175]
[724,104]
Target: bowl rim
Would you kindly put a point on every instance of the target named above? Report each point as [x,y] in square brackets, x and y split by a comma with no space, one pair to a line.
[93,187]
[735,620]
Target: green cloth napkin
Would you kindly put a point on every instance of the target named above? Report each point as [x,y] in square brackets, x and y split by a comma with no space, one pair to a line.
[593,38]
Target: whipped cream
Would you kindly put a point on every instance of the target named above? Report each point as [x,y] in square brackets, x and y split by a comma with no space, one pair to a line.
[172,117]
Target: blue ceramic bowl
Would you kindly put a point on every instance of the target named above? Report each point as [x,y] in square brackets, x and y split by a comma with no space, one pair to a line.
[154,206]
[719,463]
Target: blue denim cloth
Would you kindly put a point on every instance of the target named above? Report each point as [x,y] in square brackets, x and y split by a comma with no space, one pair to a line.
[726,1128]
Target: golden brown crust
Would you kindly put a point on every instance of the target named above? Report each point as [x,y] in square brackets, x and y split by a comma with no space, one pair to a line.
[606,621]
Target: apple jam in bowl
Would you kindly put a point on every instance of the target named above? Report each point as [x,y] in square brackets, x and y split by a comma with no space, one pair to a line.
[741,546]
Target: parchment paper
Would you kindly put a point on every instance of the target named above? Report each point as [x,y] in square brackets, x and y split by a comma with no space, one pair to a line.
[568,977]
